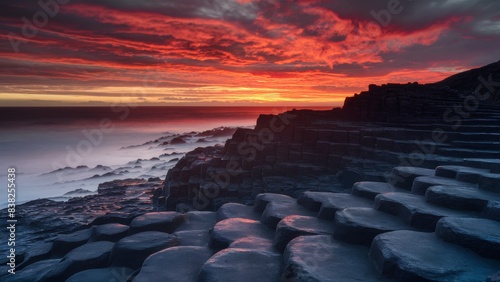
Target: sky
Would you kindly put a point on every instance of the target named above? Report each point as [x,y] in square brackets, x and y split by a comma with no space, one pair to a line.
[234,52]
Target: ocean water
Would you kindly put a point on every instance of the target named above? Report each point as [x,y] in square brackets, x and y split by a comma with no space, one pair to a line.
[60,150]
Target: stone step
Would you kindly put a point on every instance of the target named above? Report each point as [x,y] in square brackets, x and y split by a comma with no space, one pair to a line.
[486,145]
[492,164]
[276,211]
[361,225]
[199,238]
[254,243]
[370,190]
[198,220]
[492,211]
[461,173]
[490,182]
[313,200]
[235,210]
[478,234]
[467,153]
[179,264]
[102,274]
[109,232]
[322,258]
[131,251]
[33,272]
[34,254]
[263,199]
[342,201]
[62,244]
[460,198]
[419,256]
[227,231]
[414,210]
[241,265]
[88,256]
[157,221]
[422,183]
[294,226]
[403,176]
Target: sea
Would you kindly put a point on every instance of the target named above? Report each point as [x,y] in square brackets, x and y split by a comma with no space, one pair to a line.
[63,152]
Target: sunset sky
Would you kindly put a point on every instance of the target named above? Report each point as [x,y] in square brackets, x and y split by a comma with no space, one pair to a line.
[234,52]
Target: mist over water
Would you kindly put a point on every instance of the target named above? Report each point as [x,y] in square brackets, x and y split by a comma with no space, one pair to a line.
[58,150]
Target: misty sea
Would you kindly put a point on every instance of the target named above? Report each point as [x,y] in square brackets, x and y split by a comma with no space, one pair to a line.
[73,149]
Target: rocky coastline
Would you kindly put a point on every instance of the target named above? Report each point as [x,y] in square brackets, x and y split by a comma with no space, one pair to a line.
[389,187]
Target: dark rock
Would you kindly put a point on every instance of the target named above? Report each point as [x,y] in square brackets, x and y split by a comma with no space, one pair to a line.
[361,225]
[131,251]
[460,198]
[33,272]
[263,199]
[419,256]
[242,265]
[193,237]
[62,244]
[490,182]
[254,243]
[422,183]
[294,226]
[88,256]
[403,176]
[102,274]
[370,190]
[157,221]
[177,264]
[235,210]
[276,211]
[109,232]
[477,234]
[321,258]
[198,220]
[229,230]
[342,201]
[314,200]
[414,210]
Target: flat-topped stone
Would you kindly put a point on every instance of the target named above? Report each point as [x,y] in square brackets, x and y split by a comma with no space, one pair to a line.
[109,232]
[198,220]
[263,199]
[414,210]
[179,264]
[294,226]
[419,256]
[460,198]
[403,176]
[193,237]
[62,244]
[361,225]
[32,272]
[157,221]
[490,182]
[88,256]
[254,243]
[114,217]
[492,211]
[422,183]
[241,265]
[131,251]
[229,230]
[370,190]
[313,200]
[478,234]
[276,211]
[490,164]
[36,253]
[235,210]
[322,258]
[461,173]
[102,274]
[342,201]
